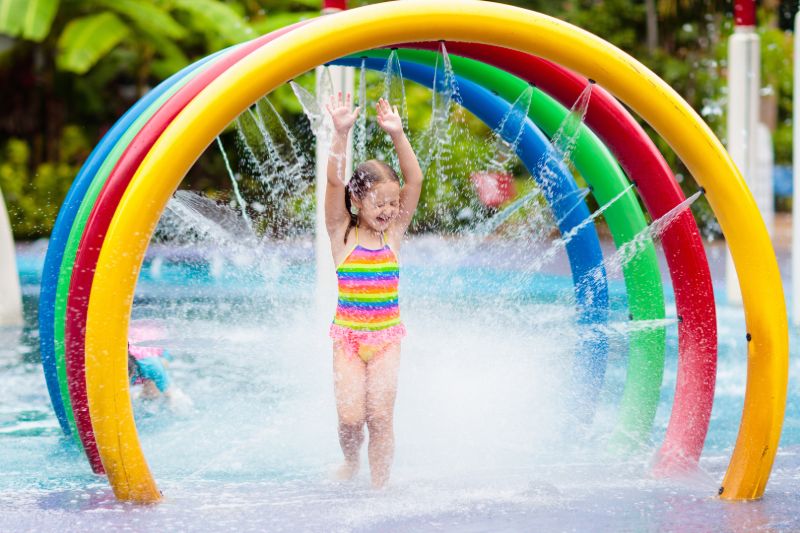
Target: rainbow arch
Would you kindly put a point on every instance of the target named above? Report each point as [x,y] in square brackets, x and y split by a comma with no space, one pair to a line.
[267,62]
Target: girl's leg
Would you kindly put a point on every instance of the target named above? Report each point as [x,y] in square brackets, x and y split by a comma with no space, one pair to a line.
[381,392]
[349,385]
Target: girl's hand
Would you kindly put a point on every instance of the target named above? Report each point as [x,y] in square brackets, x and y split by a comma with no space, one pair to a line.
[341,115]
[388,118]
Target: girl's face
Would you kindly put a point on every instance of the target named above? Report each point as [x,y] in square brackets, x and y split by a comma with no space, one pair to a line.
[380,206]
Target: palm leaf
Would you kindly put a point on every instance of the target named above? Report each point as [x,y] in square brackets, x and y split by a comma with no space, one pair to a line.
[222,20]
[29,19]
[148,17]
[170,57]
[87,39]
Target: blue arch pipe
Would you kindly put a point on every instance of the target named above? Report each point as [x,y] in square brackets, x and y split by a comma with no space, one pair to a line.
[63,224]
[583,251]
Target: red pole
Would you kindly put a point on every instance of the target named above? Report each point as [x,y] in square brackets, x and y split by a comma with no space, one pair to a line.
[331,6]
[744,12]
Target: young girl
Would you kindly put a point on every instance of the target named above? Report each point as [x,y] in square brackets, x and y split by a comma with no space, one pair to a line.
[366,219]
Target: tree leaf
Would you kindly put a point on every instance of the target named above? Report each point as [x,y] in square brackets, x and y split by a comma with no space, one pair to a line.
[218,16]
[86,40]
[30,19]
[148,17]
[170,56]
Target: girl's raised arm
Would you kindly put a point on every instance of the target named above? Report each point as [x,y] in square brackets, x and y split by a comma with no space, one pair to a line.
[389,119]
[343,118]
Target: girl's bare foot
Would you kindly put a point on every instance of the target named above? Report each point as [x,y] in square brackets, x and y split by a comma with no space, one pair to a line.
[379,481]
[347,471]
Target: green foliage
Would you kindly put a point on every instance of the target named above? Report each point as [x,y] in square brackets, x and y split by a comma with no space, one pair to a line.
[216,18]
[87,39]
[33,198]
[148,18]
[29,19]
[777,80]
[109,52]
[281,20]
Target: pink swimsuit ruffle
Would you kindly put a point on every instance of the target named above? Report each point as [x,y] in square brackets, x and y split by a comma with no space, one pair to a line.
[143,352]
[377,341]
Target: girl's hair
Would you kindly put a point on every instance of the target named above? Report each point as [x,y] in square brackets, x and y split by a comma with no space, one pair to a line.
[133,367]
[364,176]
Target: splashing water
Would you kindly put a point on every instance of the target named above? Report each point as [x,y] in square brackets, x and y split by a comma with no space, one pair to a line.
[564,141]
[191,216]
[561,243]
[311,107]
[628,251]
[360,133]
[580,196]
[505,140]
[276,175]
[478,409]
[394,90]
[566,137]
[507,136]
[296,158]
[444,98]
[568,236]
[235,185]
[559,151]
[435,147]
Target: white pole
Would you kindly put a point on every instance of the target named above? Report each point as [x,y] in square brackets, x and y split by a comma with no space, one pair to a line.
[10,293]
[744,82]
[796,177]
[342,78]
[764,187]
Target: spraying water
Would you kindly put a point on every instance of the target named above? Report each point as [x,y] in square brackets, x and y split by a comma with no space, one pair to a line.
[559,151]
[310,106]
[394,90]
[479,422]
[564,141]
[235,185]
[360,131]
[628,251]
[277,174]
[445,98]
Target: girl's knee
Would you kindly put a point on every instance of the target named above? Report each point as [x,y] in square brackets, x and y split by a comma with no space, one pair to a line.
[352,420]
[380,421]
[352,415]
[351,430]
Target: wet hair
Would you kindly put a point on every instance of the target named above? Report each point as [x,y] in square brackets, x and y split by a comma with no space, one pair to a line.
[133,367]
[364,176]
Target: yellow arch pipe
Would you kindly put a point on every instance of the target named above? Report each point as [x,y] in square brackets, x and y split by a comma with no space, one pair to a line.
[421,20]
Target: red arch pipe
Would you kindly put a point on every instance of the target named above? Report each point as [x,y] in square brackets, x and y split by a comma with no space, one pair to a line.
[97,225]
[681,439]
[682,243]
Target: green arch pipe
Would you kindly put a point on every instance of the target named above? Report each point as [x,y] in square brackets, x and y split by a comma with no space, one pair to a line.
[625,220]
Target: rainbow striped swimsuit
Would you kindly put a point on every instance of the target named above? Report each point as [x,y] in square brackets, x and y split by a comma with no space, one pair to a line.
[368,313]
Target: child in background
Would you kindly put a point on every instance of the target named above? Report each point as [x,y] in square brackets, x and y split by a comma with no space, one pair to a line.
[147,366]
[366,218]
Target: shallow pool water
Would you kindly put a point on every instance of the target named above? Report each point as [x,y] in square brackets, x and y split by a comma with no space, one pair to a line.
[484,440]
